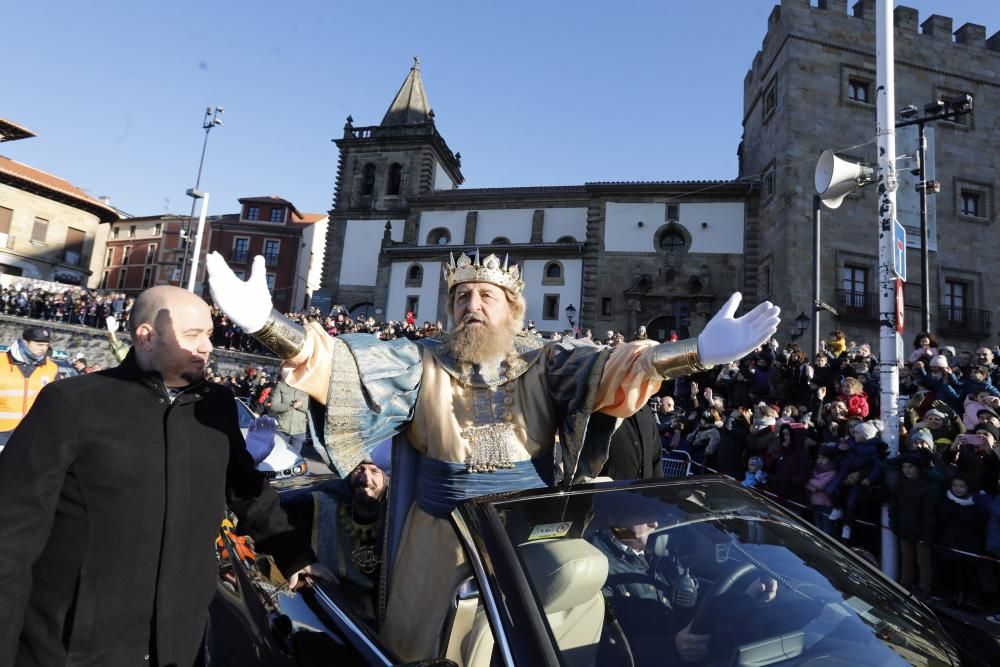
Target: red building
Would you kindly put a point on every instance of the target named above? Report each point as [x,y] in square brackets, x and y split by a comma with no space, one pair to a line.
[272,227]
[132,258]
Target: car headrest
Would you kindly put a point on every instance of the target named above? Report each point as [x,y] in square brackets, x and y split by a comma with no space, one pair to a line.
[566,572]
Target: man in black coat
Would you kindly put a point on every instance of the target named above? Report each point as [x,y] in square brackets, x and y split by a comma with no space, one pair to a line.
[111,493]
[636,451]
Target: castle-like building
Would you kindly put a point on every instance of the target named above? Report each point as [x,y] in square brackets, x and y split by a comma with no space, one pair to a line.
[812,87]
[664,254]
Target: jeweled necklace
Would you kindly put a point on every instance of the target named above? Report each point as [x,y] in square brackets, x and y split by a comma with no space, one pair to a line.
[362,535]
[490,431]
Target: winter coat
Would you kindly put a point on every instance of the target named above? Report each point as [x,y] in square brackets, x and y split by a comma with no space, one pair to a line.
[993,526]
[912,510]
[961,526]
[816,486]
[794,468]
[292,421]
[861,457]
[857,404]
[970,415]
[732,443]
[635,451]
[111,497]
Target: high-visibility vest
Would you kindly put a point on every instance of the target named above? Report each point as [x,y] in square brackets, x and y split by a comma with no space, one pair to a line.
[18,393]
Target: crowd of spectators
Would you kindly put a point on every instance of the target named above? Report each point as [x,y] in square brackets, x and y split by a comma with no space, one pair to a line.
[806,431]
[229,336]
[801,429]
[72,305]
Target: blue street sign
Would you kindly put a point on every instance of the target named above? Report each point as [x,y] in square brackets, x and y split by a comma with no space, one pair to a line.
[899,250]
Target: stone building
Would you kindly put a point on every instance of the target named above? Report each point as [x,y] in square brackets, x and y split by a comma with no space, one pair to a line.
[600,256]
[49,229]
[812,87]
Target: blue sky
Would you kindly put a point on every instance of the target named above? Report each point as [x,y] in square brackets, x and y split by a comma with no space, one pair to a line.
[531,93]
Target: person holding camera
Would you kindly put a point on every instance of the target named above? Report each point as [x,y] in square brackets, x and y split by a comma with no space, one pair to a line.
[973,457]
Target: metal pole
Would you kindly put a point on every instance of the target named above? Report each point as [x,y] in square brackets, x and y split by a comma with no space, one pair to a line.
[816,274]
[207,124]
[888,371]
[197,243]
[925,271]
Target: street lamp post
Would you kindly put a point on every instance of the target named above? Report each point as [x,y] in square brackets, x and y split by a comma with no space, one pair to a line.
[571,316]
[935,111]
[211,120]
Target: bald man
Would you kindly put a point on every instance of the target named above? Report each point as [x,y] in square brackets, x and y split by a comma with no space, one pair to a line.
[112,489]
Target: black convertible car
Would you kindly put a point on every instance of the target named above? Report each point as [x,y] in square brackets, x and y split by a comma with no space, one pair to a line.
[694,570]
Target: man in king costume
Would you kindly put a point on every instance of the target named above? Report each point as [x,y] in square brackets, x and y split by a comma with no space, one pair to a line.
[473,412]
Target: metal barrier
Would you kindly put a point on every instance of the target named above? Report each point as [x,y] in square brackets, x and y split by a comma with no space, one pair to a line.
[676,463]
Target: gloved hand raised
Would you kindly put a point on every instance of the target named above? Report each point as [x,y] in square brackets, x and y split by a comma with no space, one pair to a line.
[726,339]
[247,303]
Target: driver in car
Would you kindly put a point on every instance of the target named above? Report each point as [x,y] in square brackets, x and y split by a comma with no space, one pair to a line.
[650,594]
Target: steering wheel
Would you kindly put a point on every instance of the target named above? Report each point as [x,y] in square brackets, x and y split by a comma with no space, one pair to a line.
[702,621]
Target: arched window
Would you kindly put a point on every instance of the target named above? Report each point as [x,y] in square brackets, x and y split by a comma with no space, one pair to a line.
[415,276]
[368,180]
[501,240]
[672,242]
[438,236]
[395,175]
[553,274]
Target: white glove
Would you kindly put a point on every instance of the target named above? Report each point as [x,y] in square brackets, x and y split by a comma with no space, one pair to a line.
[725,339]
[112,323]
[247,303]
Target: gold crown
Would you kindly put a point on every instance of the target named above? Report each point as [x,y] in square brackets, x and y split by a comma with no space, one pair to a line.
[490,270]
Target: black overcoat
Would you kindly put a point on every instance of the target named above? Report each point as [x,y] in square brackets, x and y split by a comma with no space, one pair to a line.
[111,496]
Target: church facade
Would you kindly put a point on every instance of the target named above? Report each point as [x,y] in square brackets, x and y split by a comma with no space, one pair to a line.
[598,256]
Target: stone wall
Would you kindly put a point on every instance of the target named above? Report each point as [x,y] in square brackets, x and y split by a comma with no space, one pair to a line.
[93,344]
[810,58]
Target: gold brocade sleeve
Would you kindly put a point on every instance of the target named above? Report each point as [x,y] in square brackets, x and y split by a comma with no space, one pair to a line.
[629,379]
[310,369]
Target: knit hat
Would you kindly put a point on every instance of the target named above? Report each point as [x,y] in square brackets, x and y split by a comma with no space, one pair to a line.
[921,435]
[911,458]
[936,413]
[989,428]
[867,430]
[940,361]
[947,348]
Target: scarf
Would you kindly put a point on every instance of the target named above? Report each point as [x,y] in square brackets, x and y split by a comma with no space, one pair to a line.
[23,355]
[965,502]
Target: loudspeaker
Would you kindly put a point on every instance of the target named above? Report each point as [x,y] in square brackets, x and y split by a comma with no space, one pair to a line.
[836,178]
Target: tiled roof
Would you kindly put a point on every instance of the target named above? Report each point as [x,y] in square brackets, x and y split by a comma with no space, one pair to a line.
[56,185]
[11,131]
[308,218]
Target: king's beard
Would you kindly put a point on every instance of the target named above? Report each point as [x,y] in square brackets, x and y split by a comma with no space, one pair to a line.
[478,343]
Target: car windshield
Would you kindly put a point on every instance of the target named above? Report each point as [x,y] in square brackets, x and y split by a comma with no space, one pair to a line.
[246,417]
[703,572]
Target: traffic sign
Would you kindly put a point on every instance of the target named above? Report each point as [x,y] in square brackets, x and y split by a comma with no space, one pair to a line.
[899,250]
[899,306]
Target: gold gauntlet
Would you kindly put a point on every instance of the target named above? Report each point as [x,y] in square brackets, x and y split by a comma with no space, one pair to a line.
[282,336]
[677,359]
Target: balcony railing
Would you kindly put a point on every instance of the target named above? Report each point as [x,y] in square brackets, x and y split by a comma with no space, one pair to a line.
[857,305]
[971,322]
